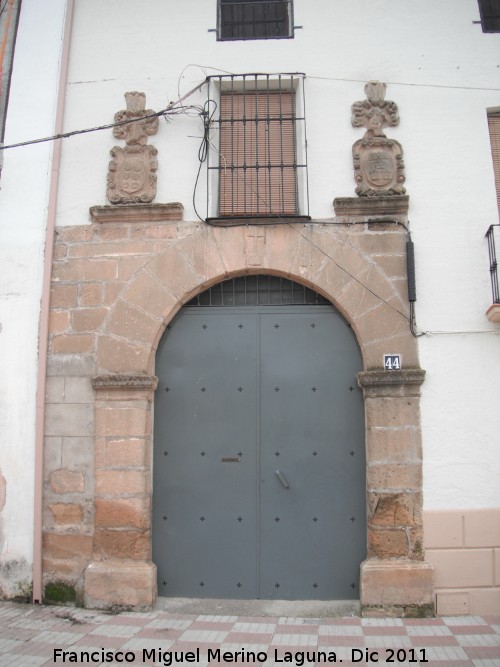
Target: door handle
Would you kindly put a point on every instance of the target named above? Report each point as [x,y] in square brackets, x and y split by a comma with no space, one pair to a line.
[282,479]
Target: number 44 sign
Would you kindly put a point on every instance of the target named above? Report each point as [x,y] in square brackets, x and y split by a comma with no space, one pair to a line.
[392,362]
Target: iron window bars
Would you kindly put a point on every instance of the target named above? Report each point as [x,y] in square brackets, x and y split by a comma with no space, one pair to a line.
[257,163]
[489,10]
[492,241]
[254,19]
[258,290]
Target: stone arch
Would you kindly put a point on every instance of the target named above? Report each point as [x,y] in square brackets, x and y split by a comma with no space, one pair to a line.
[351,279]
[363,275]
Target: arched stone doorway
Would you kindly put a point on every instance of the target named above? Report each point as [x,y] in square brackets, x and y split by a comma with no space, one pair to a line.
[259,447]
[360,269]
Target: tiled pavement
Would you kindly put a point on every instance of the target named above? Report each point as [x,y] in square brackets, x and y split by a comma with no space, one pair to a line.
[37,635]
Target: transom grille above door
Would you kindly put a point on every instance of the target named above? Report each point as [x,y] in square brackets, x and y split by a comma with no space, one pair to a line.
[258,290]
[259,155]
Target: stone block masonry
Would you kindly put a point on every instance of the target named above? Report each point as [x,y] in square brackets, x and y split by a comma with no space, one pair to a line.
[116,284]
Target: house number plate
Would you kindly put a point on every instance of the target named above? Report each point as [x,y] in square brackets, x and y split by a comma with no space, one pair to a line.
[392,362]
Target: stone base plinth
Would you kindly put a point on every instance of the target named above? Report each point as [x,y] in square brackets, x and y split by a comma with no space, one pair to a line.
[396,588]
[120,585]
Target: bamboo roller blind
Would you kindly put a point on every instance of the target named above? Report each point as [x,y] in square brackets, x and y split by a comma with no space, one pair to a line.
[258,154]
[494,123]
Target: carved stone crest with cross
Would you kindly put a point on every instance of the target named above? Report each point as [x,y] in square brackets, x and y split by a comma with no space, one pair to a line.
[132,171]
[378,160]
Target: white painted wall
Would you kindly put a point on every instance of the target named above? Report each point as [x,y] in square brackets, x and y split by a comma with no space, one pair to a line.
[442,71]
[23,212]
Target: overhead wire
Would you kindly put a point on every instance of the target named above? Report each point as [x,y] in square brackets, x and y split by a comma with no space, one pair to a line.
[405,83]
[65,135]
[177,107]
[207,116]
[171,109]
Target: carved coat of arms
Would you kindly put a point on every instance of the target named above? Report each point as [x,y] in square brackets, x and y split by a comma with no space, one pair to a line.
[132,170]
[378,160]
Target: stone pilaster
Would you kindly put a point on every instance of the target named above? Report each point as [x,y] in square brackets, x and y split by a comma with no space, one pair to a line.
[395,579]
[122,573]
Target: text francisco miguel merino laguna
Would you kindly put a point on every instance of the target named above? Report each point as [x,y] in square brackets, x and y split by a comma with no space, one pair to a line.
[299,658]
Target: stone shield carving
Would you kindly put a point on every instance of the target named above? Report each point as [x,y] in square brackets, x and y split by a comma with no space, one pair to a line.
[378,161]
[378,167]
[132,174]
[132,170]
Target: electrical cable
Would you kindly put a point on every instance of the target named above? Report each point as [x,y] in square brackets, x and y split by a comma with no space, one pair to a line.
[207,116]
[65,135]
[169,110]
[342,268]
[402,83]
[203,150]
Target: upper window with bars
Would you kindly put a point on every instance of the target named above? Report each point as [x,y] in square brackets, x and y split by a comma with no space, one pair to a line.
[254,19]
[494,127]
[257,164]
[489,11]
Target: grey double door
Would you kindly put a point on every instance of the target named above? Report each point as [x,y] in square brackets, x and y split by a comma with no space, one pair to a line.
[259,468]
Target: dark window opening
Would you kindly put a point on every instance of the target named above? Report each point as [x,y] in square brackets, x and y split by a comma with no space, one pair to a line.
[490,15]
[254,19]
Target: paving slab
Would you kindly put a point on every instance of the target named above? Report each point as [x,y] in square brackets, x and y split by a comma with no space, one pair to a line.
[38,636]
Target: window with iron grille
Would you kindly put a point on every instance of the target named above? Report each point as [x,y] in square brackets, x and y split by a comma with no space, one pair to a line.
[261,162]
[489,11]
[254,19]
[9,19]
[494,127]
[258,290]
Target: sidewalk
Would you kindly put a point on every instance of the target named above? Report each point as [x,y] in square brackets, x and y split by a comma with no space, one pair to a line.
[32,636]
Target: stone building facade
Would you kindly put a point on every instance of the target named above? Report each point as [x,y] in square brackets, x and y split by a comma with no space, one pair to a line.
[116,285]
[119,266]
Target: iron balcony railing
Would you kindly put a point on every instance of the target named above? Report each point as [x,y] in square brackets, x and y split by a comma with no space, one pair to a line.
[493,236]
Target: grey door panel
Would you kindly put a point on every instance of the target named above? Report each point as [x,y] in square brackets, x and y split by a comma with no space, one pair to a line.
[259,470]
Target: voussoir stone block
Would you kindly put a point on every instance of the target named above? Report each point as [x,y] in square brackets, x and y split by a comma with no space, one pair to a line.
[145,291]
